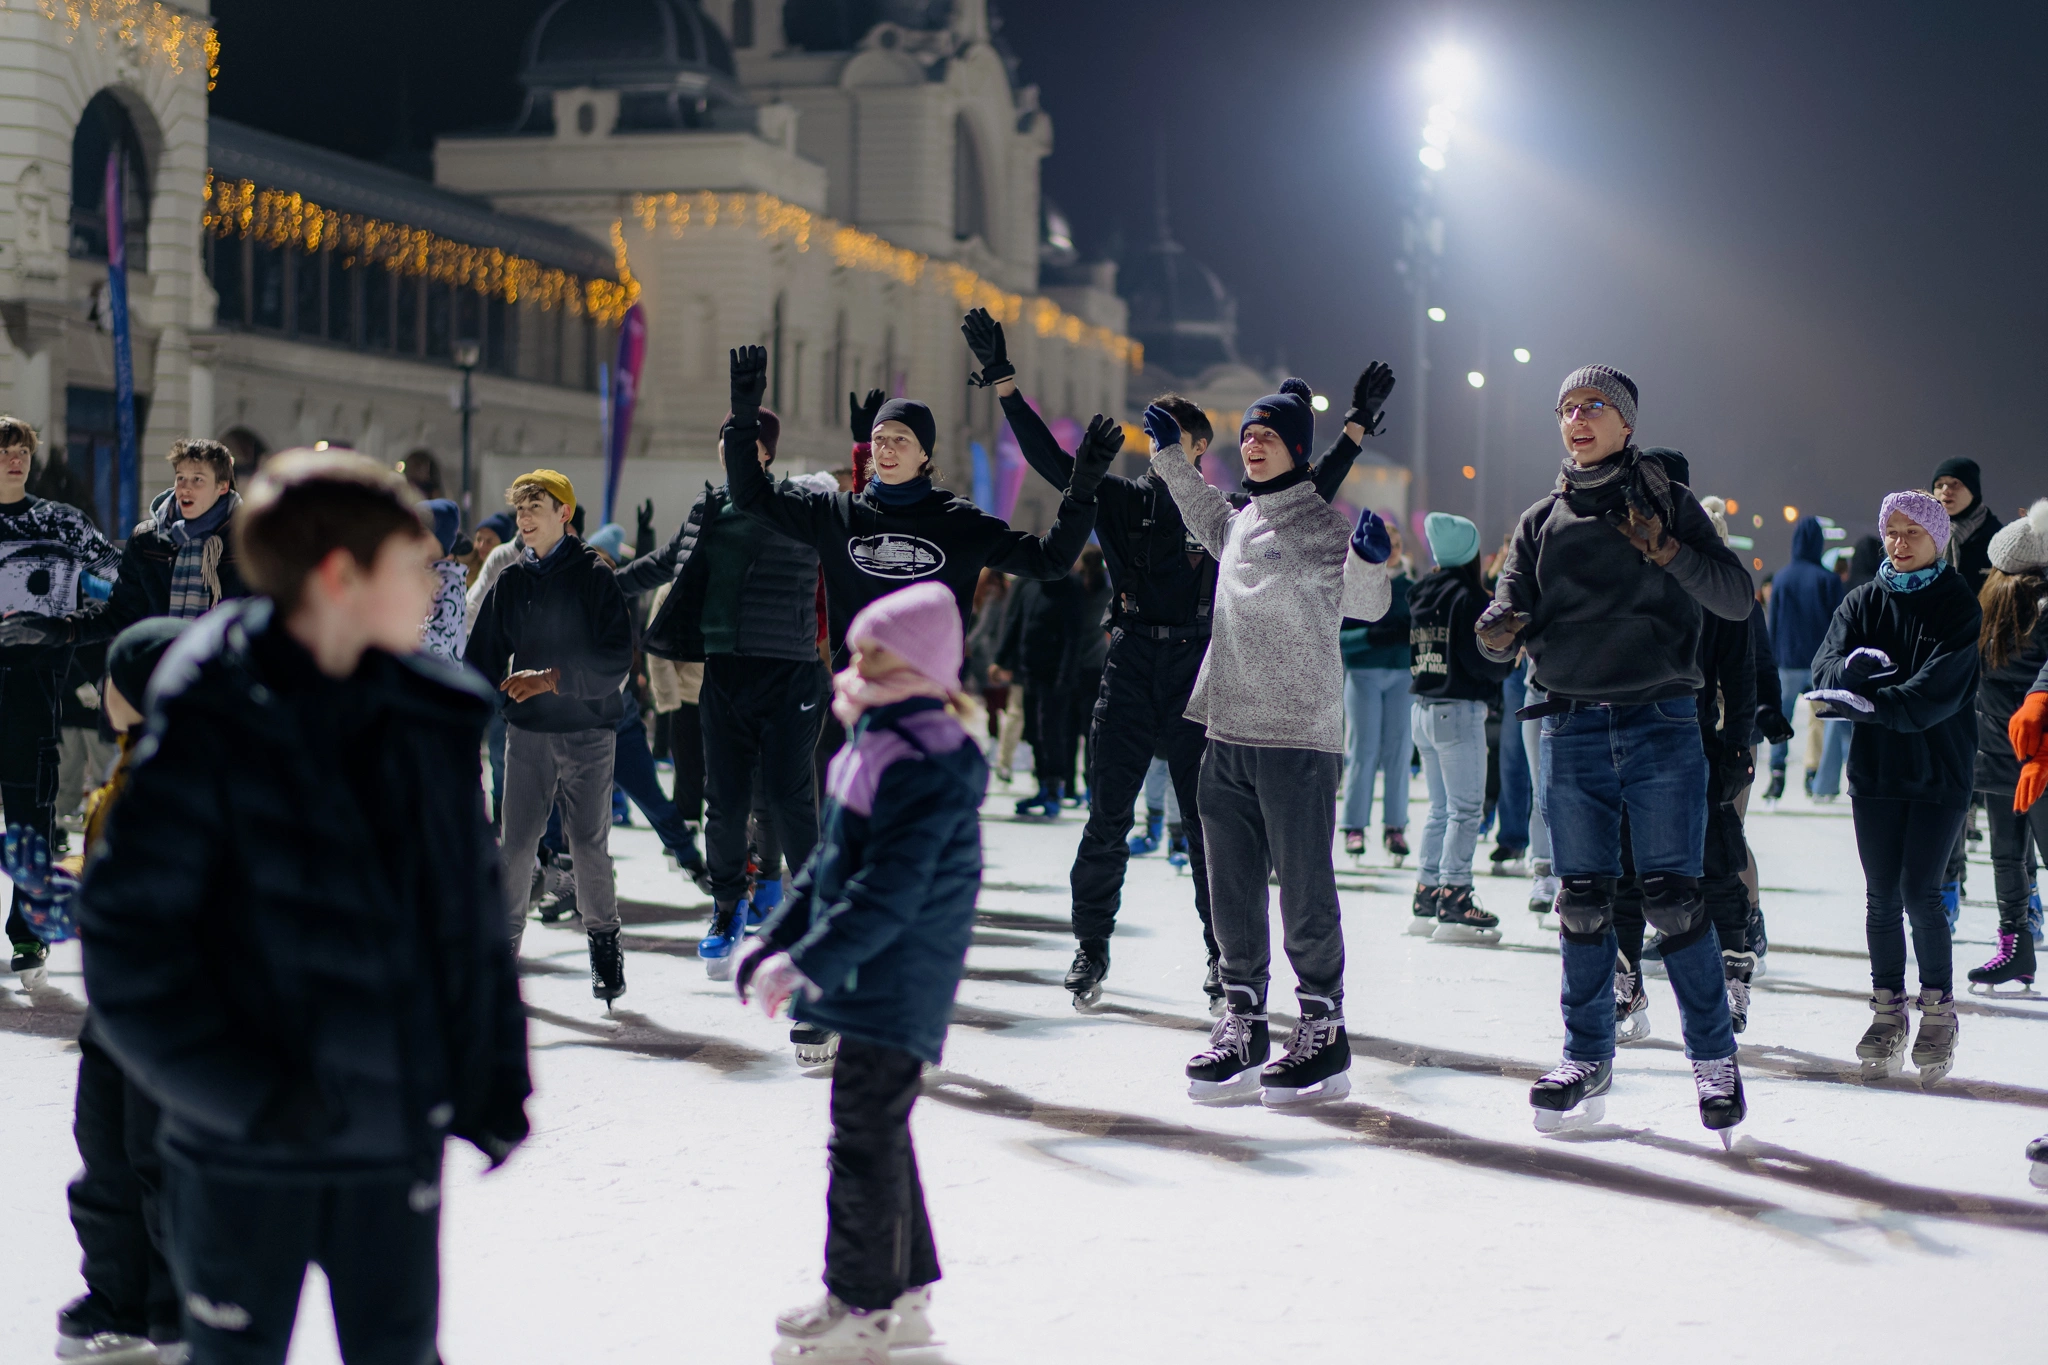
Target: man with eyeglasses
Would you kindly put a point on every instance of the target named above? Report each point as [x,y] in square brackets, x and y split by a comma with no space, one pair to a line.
[1603,584]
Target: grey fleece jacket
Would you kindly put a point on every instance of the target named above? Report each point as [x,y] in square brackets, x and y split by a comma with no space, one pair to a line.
[1607,625]
[1274,675]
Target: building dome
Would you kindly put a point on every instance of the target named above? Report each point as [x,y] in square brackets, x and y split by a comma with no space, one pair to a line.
[672,67]
[1181,312]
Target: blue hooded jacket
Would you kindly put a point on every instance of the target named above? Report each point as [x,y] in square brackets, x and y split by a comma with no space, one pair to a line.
[1804,596]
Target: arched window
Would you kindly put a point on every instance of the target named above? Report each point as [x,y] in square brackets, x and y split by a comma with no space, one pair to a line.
[970,195]
[103,126]
[742,23]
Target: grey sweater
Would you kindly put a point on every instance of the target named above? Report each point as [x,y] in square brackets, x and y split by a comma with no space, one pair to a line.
[1273,677]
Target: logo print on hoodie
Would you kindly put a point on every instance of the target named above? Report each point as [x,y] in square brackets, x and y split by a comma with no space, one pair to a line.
[897,556]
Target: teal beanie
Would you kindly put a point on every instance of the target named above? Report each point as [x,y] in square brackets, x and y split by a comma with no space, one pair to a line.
[1452,540]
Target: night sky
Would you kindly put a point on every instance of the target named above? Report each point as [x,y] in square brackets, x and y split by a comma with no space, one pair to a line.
[1812,233]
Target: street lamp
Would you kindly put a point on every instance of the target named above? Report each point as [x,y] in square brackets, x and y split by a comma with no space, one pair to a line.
[1521,355]
[467,354]
[1446,77]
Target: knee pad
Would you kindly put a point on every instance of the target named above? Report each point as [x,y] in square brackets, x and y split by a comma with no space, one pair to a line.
[1674,904]
[1585,905]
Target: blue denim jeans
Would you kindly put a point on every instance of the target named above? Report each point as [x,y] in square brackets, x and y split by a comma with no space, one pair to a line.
[1647,758]
[1451,737]
[1515,781]
[1791,682]
[1376,740]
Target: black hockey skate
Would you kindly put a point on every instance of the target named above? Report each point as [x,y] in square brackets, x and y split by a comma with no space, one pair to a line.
[1212,986]
[2037,1161]
[1090,969]
[1721,1103]
[1736,970]
[2011,967]
[1776,791]
[1317,1064]
[607,966]
[1631,1005]
[1422,914]
[1571,1095]
[1460,920]
[558,901]
[1755,940]
[1394,839]
[1239,1044]
[815,1047]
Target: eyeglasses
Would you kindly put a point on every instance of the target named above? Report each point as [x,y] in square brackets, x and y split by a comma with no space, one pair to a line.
[1592,407]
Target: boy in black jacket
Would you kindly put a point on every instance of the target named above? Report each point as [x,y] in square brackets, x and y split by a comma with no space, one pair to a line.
[292,938]
[554,637]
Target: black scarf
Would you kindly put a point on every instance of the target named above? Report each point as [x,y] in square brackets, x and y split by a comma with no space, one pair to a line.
[1962,528]
[1299,474]
[1621,481]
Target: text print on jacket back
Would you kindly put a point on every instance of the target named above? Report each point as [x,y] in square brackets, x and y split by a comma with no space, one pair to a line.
[892,555]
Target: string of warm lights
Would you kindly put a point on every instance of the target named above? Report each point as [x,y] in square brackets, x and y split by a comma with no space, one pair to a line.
[279,218]
[778,220]
[153,29]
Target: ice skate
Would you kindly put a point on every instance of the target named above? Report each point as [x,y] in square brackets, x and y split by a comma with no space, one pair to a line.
[1882,1050]
[1422,913]
[1776,791]
[1085,977]
[1354,845]
[1571,1095]
[1652,961]
[2037,1161]
[1176,848]
[31,964]
[2037,921]
[1952,904]
[108,1348]
[1148,842]
[2010,970]
[607,966]
[1316,1067]
[815,1047]
[1543,897]
[1736,970]
[1460,920]
[1722,1105]
[1631,1004]
[728,927]
[1051,799]
[830,1332]
[1934,1047]
[558,890]
[1755,941]
[1394,839]
[766,896]
[1239,1044]
[1212,986]
[913,1328]
[1509,862]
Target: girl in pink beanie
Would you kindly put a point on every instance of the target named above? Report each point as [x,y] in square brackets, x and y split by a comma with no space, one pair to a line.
[869,946]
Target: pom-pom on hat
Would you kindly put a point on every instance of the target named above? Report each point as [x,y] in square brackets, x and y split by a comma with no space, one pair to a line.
[1289,415]
[919,624]
[1616,387]
[1924,508]
[2022,546]
[1452,540]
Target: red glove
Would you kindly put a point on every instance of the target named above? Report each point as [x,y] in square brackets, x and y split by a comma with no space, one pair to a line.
[2028,725]
[2033,781]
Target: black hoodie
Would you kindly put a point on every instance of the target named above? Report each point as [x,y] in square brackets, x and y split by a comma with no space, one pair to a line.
[1445,661]
[563,612]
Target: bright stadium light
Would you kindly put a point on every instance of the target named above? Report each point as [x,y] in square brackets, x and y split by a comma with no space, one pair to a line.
[1522,354]
[1475,379]
[1431,157]
[1320,403]
[1436,315]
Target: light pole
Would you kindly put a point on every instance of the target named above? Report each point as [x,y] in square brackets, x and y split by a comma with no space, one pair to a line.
[1422,240]
[467,354]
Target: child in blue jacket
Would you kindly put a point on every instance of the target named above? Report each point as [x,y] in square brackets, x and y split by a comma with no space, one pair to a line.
[870,945]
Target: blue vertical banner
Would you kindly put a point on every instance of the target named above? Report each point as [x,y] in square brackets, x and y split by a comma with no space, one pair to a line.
[124,360]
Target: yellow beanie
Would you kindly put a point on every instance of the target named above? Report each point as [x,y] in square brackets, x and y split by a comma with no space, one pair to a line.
[558,485]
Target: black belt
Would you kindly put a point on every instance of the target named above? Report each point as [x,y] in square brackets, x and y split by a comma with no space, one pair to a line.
[1556,706]
[1145,631]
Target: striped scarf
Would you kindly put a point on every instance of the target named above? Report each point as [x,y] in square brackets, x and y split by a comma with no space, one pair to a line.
[195,573]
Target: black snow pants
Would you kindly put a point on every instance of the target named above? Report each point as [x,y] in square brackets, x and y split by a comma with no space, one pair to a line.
[115,1201]
[765,713]
[878,1241]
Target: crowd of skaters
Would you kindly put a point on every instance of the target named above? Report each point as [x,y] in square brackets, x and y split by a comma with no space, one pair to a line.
[352,747]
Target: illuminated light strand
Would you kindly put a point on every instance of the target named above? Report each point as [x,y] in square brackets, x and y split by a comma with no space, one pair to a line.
[153,29]
[279,218]
[778,220]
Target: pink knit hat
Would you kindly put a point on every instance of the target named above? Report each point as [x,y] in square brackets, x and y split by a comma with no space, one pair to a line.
[920,624]
[1924,508]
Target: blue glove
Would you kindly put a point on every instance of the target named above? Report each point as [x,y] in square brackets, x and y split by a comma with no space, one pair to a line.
[1161,427]
[47,892]
[1371,540]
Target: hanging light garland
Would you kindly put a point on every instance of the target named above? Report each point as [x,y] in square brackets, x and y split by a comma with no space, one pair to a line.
[279,218]
[780,221]
[155,31]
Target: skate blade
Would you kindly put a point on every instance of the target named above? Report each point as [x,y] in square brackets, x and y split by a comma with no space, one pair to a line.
[1727,1136]
[1421,926]
[1545,920]
[1397,859]
[115,1349]
[1086,1000]
[812,1055]
[2024,990]
[1244,1084]
[1464,933]
[1634,1029]
[2038,1174]
[718,968]
[1931,1076]
[1883,1068]
[1590,1111]
[1295,1097]
[34,977]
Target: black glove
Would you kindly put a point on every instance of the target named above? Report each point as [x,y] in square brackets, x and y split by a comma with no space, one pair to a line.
[749,382]
[643,529]
[1099,447]
[864,411]
[1736,770]
[985,338]
[1369,397]
[1772,722]
[23,628]
[1865,666]
[500,1132]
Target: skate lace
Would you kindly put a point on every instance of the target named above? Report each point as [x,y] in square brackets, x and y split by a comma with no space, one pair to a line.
[1311,1036]
[1624,989]
[1231,1038]
[2008,944]
[1714,1080]
[1738,996]
[1568,1072]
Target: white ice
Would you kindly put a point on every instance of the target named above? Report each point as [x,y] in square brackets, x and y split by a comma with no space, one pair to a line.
[671,1200]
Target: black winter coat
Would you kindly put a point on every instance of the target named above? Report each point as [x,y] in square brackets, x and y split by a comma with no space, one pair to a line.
[294,933]
[869,551]
[1998,696]
[1769,691]
[778,600]
[1045,637]
[1920,741]
[1444,660]
[1727,701]
[144,586]
[568,615]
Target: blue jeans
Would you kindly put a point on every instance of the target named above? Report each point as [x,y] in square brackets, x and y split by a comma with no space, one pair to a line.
[633,772]
[1791,682]
[1834,752]
[1159,791]
[1647,758]
[1376,739]
[1515,782]
[1451,737]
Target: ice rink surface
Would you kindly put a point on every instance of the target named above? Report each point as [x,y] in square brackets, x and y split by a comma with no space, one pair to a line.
[671,1200]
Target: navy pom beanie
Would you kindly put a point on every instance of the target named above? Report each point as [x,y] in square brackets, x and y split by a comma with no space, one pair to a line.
[1289,415]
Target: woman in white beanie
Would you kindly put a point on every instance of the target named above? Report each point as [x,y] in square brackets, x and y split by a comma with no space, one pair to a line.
[2014,643]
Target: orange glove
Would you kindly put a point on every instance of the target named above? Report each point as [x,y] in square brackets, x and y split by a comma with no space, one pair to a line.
[2028,725]
[2033,781]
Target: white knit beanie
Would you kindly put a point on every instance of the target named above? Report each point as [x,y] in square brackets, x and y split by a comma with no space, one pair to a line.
[2022,546]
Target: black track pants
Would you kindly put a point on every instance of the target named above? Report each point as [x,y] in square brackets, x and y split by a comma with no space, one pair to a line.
[878,1241]
[758,713]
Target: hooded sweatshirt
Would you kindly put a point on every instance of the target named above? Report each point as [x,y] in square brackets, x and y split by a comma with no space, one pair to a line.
[1804,595]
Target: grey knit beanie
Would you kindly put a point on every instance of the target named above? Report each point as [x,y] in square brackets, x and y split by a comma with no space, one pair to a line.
[1616,387]
[2021,546]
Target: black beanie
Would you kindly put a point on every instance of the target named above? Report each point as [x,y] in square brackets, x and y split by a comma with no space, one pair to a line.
[1289,415]
[136,651]
[1963,470]
[917,417]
